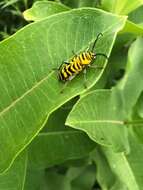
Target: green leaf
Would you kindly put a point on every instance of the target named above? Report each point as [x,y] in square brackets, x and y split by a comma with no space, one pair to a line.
[136,15]
[58,181]
[104,175]
[128,168]
[138,117]
[133,28]
[85,180]
[131,86]
[56,121]
[30,91]
[9,3]
[107,126]
[58,147]
[122,169]
[43,9]
[14,178]
[117,61]
[135,160]
[34,179]
[89,3]
[140,106]
[47,149]
[106,178]
[69,3]
[104,126]
[121,7]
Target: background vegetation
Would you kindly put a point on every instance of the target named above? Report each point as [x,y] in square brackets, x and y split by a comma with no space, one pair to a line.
[81,139]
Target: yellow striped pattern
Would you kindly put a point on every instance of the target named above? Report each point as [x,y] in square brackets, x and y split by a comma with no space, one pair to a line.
[76,65]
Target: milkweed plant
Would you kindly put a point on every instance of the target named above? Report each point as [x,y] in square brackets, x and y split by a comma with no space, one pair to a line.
[71,96]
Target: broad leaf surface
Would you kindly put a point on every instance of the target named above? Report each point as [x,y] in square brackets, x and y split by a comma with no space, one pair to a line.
[34,180]
[58,147]
[69,3]
[138,117]
[43,9]
[30,91]
[103,120]
[56,121]
[109,110]
[14,178]
[89,3]
[131,86]
[121,7]
[136,16]
[132,28]
[47,150]
[128,168]
[140,106]
[105,176]
[85,180]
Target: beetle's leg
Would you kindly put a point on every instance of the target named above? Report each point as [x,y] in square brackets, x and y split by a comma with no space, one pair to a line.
[65,63]
[74,53]
[65,84]
[87,49]
[95,66]
[57,69]
[85,79]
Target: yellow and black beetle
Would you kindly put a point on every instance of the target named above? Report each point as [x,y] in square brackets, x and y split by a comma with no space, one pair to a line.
[68,70]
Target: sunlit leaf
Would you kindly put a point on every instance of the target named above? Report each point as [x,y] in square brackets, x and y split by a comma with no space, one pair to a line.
[43,9]
[30,91]
[104,114]
[121,7]
[58,147]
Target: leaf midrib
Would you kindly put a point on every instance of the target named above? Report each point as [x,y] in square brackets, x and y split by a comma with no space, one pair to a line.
[25,94]
[120,122]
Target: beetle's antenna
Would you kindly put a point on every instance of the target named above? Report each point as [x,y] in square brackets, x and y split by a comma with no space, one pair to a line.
[102,54]
[98,36]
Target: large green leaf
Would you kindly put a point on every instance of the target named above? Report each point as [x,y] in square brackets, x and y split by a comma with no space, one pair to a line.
[89,3]
[136,16]
[30,91]
[131,86]
[85,180]
[55,148]
[97,114]
[34,180]
[14,178]
[128,168]
[107,126]
[56,121]
[132,28]
[43,9]
[140,106]
[105,176]
[138,117]
[121,7]
[72,4]
[47,150]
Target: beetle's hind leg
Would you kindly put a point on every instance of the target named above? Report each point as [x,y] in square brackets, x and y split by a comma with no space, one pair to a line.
[65,62]
[95,66]
[64,86]
[85,79]
[58,68]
